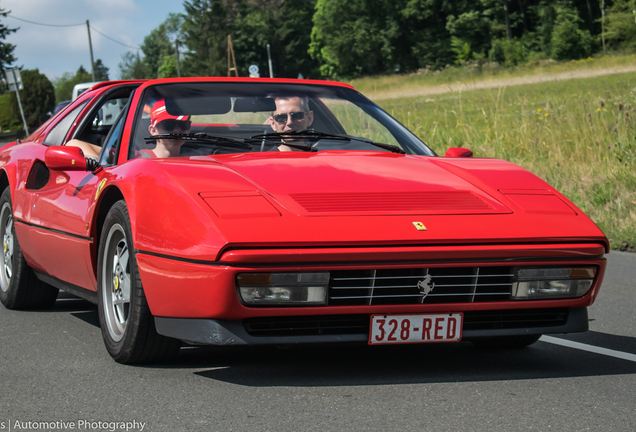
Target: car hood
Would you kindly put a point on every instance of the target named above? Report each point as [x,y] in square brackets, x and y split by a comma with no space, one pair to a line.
[375,198]
[354,184]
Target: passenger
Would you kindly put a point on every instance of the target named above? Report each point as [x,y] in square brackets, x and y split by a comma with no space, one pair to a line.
[292,114]
[163,123]
[160,123]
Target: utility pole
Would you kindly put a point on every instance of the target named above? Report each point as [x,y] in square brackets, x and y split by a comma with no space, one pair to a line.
[90,46]
[269,61]
[230,50]
[176,47]
[17,82]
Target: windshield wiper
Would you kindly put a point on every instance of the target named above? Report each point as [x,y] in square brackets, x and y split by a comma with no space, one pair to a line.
[313,135]
[204,137]
[278,138]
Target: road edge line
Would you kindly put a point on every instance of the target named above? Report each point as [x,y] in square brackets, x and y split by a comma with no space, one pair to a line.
[590,348]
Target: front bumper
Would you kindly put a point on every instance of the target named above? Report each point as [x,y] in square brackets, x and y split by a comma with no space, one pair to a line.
[355,328]
[207,290]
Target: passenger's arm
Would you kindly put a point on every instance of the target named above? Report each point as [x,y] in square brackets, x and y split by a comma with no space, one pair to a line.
[90,150]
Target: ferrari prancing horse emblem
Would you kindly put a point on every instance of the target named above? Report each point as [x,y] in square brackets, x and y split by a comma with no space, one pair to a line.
[420,226]
[425,286]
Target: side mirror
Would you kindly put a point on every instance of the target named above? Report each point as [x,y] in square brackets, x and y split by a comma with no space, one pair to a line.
[65,158]
[458,152]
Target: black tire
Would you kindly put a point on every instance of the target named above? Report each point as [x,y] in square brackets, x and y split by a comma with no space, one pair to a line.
[506,342]
[128,327]
[19,286]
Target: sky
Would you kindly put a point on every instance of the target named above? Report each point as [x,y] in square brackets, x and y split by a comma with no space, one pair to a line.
[56,50]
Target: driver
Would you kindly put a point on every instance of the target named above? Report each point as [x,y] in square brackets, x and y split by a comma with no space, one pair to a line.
[292,114]
[161,122]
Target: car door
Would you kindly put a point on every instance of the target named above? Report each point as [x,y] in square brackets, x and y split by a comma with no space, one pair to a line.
[61,211]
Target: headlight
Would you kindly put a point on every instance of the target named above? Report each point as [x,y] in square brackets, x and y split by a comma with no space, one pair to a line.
[283,289]
[550,283]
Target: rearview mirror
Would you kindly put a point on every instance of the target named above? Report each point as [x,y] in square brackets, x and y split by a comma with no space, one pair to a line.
[255,104]
[458,152]
[65,158]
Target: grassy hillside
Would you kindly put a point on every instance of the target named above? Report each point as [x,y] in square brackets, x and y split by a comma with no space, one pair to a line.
[578,134]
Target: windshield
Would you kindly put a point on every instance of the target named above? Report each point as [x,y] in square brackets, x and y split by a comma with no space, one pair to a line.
[187,119]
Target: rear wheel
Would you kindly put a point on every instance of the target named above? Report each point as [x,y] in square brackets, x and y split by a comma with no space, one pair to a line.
[508,342]
[128,327]
[19,286]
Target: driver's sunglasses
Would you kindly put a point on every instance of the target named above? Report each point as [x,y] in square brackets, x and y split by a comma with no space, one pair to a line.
[169,125]
[295,116]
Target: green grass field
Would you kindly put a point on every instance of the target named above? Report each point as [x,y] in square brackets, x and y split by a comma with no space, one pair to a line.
[579,135]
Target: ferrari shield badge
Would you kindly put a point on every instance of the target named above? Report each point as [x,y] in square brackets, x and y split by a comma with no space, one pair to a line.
[100,186]
[420,226]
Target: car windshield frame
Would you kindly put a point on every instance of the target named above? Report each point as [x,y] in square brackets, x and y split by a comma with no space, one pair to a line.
[178,93]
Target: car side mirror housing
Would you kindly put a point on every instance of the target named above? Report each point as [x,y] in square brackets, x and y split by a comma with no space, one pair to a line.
[458,152]
[65,158]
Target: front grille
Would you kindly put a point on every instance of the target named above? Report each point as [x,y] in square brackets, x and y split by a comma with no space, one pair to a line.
[420,285]
[359,324]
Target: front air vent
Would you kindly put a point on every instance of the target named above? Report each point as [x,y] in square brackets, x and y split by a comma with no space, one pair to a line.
[307,325]
[422,202]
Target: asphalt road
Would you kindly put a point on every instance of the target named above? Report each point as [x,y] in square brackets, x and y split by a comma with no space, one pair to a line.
[54,369]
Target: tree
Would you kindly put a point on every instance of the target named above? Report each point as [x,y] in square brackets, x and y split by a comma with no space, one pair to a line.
[427,42]
[101,71]
[546,17]
[344,39]
[355,37]
[160,44]
[64,85]
[8,120]
[470,33]
[251,32]
[6,50]
[133,67]
[37,97]
[159,52]
[620,25]
[285,25]
[168,68]
[205,28]
[568,40]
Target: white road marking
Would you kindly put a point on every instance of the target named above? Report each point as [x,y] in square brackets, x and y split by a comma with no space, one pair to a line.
[589,348]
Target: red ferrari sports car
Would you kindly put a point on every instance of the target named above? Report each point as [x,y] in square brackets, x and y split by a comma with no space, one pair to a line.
[267,211]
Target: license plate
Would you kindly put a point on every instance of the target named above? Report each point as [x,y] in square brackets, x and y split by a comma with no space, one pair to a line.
[420,328]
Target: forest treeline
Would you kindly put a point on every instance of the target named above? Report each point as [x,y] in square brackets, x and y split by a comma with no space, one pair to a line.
[346,39]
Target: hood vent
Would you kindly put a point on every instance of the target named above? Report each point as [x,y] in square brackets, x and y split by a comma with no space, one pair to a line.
[421,202]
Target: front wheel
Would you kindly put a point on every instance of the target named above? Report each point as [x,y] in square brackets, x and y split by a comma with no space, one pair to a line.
[128,327]
[19,286]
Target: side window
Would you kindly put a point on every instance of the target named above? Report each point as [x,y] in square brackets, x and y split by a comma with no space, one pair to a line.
[58,133]
[109,149]
[102,121]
